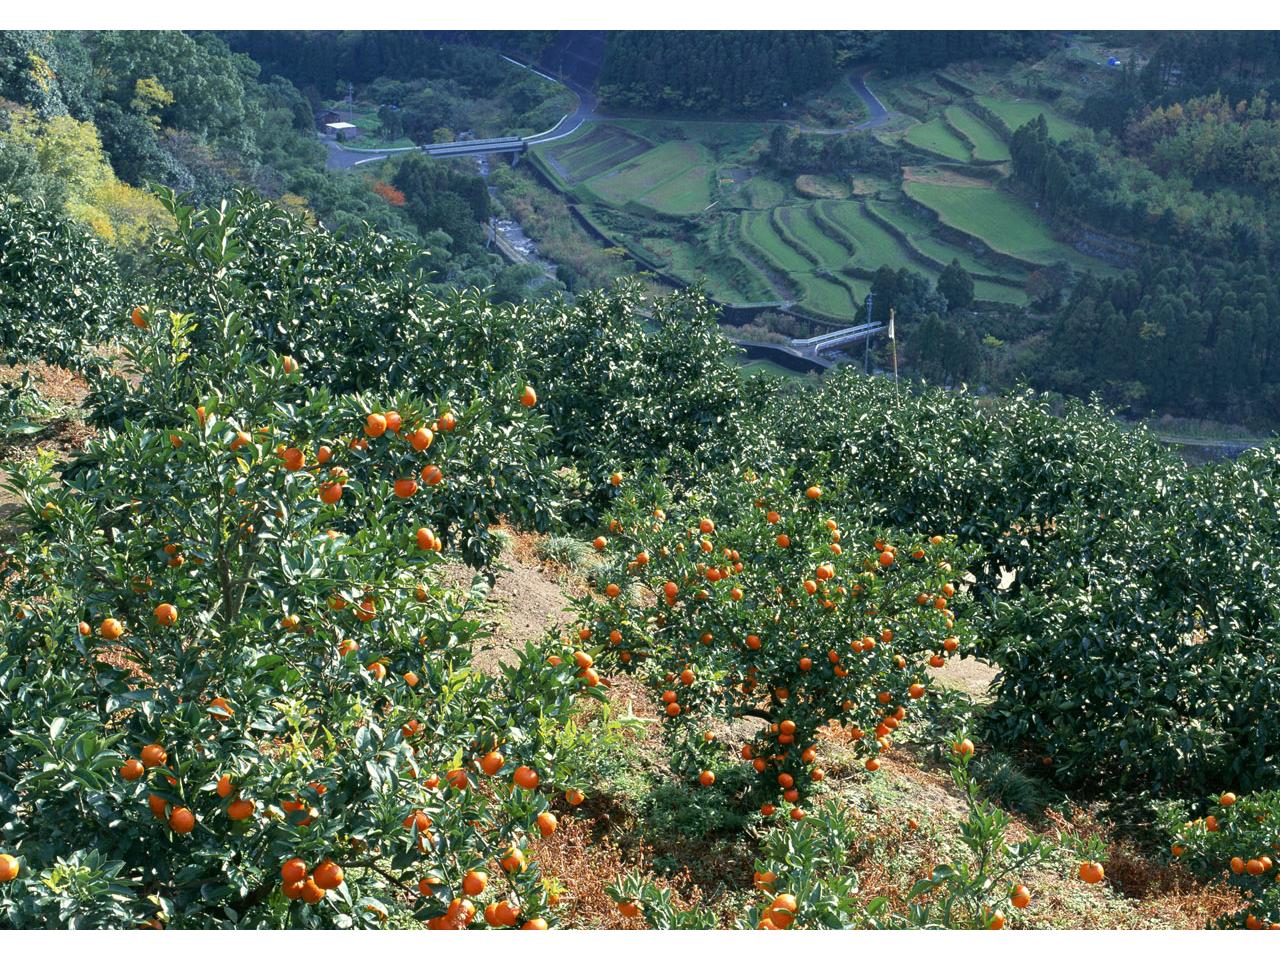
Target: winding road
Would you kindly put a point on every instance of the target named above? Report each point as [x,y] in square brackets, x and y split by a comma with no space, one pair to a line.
[344,158]
[879,114]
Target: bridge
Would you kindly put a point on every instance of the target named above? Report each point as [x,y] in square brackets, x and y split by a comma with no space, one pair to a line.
[837,338]
[470,148]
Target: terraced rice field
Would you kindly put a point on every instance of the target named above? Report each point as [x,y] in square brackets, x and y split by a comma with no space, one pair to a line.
[998,219]
[600,149]
[802,220]
[936,137]
[988,146]
[1015,113]
[672,179]
[920,235]
[727,277]
[875,246]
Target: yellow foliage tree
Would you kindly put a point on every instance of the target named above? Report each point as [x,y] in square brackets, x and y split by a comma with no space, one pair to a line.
[69,150]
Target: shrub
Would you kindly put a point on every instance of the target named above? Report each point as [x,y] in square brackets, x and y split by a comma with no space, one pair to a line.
[758,602]
[1239,842]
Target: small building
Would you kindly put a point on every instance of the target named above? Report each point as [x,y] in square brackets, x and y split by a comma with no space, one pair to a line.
[327,116]
[1113,62]
[341,130]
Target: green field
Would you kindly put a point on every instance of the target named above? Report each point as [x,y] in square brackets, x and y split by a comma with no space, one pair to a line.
[365,117]
[876,247]
[695,195]
[998,219]
[936,137]
[1015,113]
[673,179]
[920,235]
[806,228]
[988,146]
[599,150]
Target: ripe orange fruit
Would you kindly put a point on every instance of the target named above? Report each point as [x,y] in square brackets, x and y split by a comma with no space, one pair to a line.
[1227,799]
[394,421]
[158,805]
[405,487]
[431,475]
[574,797]
[289,364]
[964,748]
[225,786]
[474,882]
[9,867]
[526,777]
[547,823]
[886,558]
[328,875]
[528,397]
[132,770]
[629,908]
[294,870]
[1091,872]
[814,493]
[706,778]
[447,422]
[330,493]
[153,755]
[182,820]
[375,425]
[537,923]
[240,810]
[219,709]
[111,629]
[1020,896]
[312,892]
[492,762]
[138,318]
[996,921]
[417,820]
[421,438]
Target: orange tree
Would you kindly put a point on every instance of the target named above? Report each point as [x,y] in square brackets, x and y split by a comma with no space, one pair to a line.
[807,879]
[232,690]
[222,656]
[246,277]
[619,370]
[1237,840]
[59,287]
[1148,662]
[749,598]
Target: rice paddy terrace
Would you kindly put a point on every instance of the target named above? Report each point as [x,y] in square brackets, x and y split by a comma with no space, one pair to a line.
[692,200]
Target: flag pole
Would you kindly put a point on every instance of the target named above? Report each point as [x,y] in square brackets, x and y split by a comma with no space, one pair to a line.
[893,340]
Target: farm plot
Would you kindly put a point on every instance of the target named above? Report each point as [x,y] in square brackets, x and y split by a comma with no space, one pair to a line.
[1015,113]
[875,246]
[936,137]
[759,231]
[999,220]
[672,179]
[801,220]
[601,149]
[920,236]
[988,147]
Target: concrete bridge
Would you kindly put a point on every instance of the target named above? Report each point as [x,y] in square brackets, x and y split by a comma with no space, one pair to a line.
[470,148]
[837,338]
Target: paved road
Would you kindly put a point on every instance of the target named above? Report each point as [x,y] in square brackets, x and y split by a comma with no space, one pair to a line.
[342,158]
[879,114]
